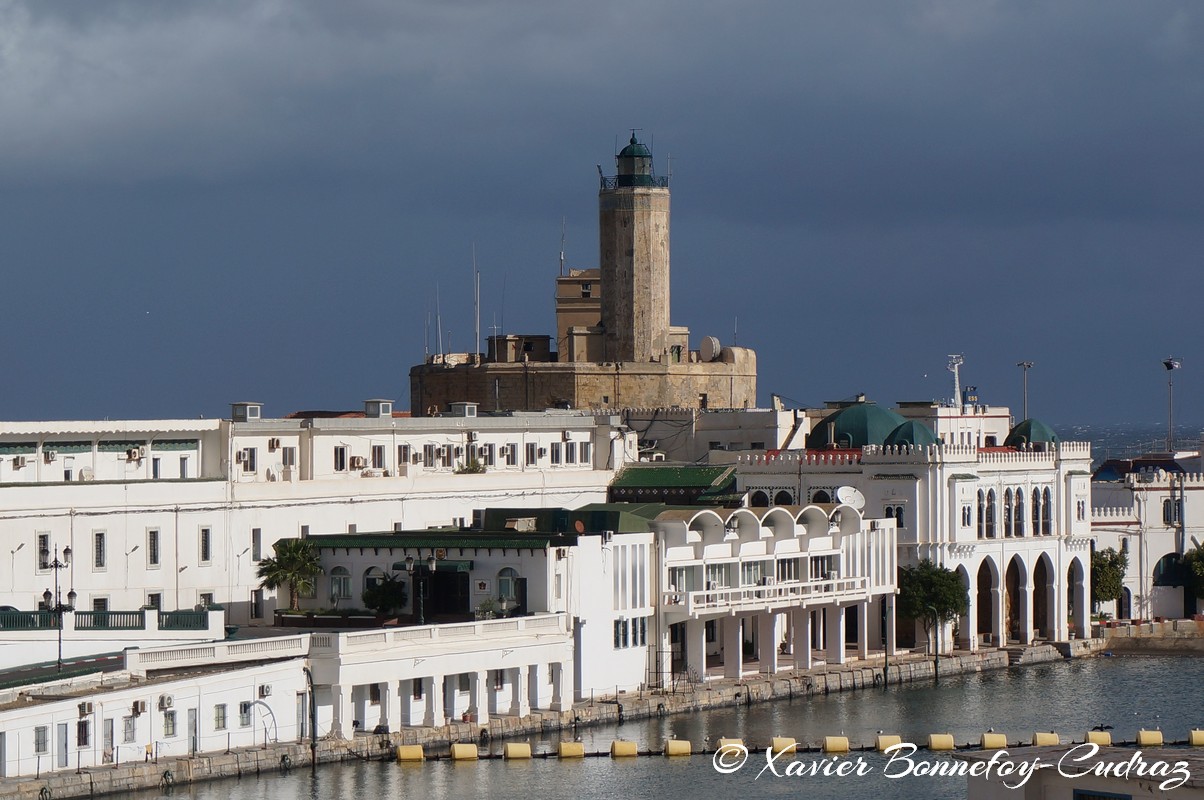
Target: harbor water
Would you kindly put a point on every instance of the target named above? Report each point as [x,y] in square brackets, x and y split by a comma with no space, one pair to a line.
[1125,692]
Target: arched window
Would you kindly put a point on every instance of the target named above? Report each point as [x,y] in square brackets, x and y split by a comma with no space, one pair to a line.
[1007,513]
[982,514]
[1019,512]
[899,516]
[507,581]
[340,584]
[990,513]
[373,576]
[783,498]
[1169,571]
[1046,516]
[1036,512]
[758,499]
[821,497]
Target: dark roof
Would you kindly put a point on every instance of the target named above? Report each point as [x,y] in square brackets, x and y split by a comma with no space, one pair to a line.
[649,476]
[512,540]
[913,432]
[854,426]
[1028,432]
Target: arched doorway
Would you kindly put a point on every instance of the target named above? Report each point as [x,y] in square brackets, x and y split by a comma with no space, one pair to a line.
[1077,600]
[1016,584]
[966,627]
[1044,603]
[985,605]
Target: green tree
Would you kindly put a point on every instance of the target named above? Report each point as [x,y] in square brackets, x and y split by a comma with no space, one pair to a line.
[1193,571]
[386,597]
[295,565]
[1107,575]
[932,594]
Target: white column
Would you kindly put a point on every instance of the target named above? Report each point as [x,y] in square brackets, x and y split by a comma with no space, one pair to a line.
[535,697]
[970,624]
[405,697]
[835,630]
[733,648]
[1082,626]
[863,629]
[1026,613]
[479,704]
[802,637]
[695,646]
[390,705]
[562,686]
[520,706]
[999,616]
[435,713]
[342,710]
[767,642]
[1055,602]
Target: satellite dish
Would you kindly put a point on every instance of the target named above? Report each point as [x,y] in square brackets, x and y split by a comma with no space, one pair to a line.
[851,496]
[709,348]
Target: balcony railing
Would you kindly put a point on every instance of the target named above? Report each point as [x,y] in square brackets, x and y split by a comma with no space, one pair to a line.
[27,620]
[183,620]
[762,596]
[110,620]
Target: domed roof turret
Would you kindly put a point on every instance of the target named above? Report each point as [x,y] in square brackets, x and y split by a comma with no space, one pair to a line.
[1030,431]
[635,149]
[853,427]
[913,432]
[634,165]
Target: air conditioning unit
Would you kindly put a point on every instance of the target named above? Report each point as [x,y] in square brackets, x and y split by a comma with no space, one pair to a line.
[273,444]
[543,452]
[132,454]
[472,436]
[567,436]
[18,462]
[166,701]
[712,586]
[50,456]
[265,690]
[768,580]
[416,458]
[141,452]
[358,462]
[240,456]
[562,553]
[139,708]
[85,709]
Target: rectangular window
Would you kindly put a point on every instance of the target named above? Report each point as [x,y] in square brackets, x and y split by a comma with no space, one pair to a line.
[183,466]
[41,739]
[219,717]
[249,459]
[99,558]
[169,724]
[83,733]
[374,694]
[499,679]
[43,552]
[288,456]
[257,604]
[154,600]
[378,456]
[619,644]
[156,467]
[129,730]
[206,545]
[206,599]
[152,547]
[465,682]
[416,688]
[446,455]
[403,455]
[556,447]
[489,454]
[256,544]
[244,714]
[100,604]
[512,454]
[532,453]
[340,459]
[429,455]
[570,453]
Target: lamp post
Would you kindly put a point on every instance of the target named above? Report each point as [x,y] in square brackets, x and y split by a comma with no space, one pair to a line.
[1171,365]
[1025,366]
[936,635]
[59,607]
[411,566]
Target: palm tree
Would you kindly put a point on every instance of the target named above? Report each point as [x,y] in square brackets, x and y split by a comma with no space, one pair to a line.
[295,565]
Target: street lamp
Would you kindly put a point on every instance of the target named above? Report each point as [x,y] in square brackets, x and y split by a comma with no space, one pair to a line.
[411,566]
[58,608]
[1025,366]
[1171,365]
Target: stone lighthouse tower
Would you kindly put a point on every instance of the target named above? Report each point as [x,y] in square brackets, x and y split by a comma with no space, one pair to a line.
[633,227]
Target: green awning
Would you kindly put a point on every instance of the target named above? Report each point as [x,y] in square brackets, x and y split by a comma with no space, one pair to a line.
[18,448]
[163,445]
[440,566]
[119,447]
[68,447]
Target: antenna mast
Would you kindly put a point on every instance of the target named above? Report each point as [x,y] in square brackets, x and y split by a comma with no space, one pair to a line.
[476,305]
[438,322]
[562,221]
[955,361]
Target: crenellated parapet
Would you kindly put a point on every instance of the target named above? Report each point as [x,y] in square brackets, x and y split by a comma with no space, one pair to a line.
[803,458]
[1156,478]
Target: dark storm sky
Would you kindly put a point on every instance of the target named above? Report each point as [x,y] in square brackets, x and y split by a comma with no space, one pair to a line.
[202,203]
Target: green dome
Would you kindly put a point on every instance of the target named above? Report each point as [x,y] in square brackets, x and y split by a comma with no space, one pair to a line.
[635,149]
[913,432]
[1030,431]
[853,427]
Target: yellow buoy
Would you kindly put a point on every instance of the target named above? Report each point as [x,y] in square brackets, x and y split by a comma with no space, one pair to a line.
[464,752]
[885,740]
[940,741]
[410,752]
[571,750]
[621,748]
[729,743]
[678,747]
[782,744]
[1195,738]
[1149,738]
[1042,739]
[836,744]
[994,741]
[516,750]
[1102,738]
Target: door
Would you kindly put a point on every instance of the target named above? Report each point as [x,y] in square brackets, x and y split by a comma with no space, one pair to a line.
[61,739]
[520,597]
[193,743]
[107,728]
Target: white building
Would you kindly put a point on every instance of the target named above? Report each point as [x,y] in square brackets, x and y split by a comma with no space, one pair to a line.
[1007,510]
[176,513]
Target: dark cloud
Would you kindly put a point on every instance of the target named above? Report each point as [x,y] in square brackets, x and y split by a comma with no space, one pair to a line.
[866,185]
